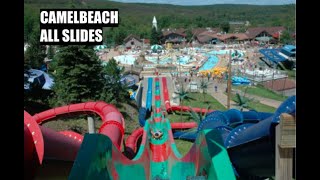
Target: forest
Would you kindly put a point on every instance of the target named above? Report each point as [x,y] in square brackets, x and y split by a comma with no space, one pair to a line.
[136,18]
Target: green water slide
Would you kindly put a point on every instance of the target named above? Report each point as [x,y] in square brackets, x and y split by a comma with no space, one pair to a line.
[98,158]
[157,158]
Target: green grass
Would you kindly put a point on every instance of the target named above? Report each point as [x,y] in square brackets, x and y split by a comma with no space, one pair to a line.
[262,92]
[291,74]
[261,107]
[78,124]
[256,105]
[183,146]
[198,101]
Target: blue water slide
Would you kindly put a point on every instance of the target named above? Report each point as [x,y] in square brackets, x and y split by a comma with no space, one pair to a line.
[149,94]
[250,144]
[213,120]
[142,116]
[255,116]
[251,147]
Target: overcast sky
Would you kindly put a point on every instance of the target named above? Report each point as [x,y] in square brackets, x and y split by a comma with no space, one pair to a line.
[208,2]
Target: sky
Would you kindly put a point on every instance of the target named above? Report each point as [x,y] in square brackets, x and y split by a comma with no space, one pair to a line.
[210,2]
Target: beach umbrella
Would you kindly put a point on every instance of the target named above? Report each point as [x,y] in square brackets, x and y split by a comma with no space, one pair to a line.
[156,47]
[100,47]
[236,54]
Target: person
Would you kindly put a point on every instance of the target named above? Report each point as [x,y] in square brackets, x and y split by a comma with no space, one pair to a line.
[216,88]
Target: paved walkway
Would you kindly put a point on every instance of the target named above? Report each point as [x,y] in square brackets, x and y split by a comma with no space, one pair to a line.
[262,100]
[266,101]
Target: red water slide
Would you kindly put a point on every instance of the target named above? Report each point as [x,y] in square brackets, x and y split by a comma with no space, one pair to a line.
[187,108]
[33,146]
[132,140]
[43,142]
[170,108]
[112,120]
[39,142]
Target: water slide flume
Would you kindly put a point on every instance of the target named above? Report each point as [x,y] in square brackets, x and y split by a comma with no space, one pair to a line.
[44,143]
[132,140]
[99,156]
[33,146]
[157,157]
[112,120]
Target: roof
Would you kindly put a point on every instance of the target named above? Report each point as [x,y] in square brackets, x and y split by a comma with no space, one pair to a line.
[131,36]
[207,33]
[203,39]
[272,55]
[206,36]
[253,32]
[241,36]
[166,33]
[197,31]
[237,36]
[290,48]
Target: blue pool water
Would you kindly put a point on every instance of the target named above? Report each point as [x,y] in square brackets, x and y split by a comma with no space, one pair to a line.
[219,52]
[211,62]
[183,60]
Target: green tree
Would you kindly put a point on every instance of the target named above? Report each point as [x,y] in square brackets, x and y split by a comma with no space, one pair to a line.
[242,101]
[189,34]
[119,36]
[154,39]
[225,26]
[198,117]
[78,76]
[30,21]
[50,52]
[114,91]
[183,94]
[35,53]
[204,88]
[286,38]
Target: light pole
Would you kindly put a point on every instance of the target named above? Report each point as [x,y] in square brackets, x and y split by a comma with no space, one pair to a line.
[229,81]
[272,76]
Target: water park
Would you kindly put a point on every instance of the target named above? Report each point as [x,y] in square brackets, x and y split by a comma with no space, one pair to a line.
[217,111]
[226,144]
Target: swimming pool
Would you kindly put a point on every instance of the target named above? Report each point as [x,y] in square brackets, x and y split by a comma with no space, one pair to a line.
[225,52]
[183,60]
[211,62]
[125,59]
[162,61]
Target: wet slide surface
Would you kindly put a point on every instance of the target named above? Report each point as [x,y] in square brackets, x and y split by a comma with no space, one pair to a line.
[157,157]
